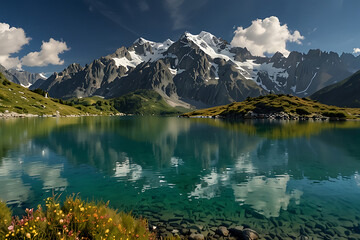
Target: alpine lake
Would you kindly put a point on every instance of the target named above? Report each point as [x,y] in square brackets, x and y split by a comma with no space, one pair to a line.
[284,179]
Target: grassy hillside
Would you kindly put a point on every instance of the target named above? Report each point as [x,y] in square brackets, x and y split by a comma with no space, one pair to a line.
[146,102]
[15,98]
[272,104]
[344,93]
[93,105]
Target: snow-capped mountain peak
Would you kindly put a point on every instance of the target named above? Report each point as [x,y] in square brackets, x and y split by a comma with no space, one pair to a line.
[141,41]
[142,51]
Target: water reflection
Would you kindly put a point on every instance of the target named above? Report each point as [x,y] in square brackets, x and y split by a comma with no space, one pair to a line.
[132,172]
[257,163]
[267,195]
[30,165]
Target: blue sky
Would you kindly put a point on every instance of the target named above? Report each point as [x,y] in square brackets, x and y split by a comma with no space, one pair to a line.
[93,28]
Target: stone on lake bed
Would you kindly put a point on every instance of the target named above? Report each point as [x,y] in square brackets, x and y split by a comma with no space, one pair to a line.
[196,236]
[310,224]
[320,226]
[236,231]
[185,231]
[249,234]
[222,231]
[347,224]
[330,232]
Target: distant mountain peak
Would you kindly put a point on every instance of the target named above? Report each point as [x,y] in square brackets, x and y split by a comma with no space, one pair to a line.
[142,41]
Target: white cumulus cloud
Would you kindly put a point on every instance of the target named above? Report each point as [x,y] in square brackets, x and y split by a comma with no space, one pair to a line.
[356,51]
[265,36]
[12,39]
[49,54]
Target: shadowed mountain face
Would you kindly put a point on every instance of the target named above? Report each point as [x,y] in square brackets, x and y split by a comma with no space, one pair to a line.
[200,70]
[342,94]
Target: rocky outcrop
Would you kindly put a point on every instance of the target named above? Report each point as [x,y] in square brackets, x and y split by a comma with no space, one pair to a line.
[77,81]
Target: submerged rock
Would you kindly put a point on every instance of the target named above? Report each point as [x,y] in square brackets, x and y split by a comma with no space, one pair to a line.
[236,231]
[249,234]
[222,231]
[196,236]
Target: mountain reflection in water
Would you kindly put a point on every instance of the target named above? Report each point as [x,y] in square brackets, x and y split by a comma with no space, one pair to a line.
[266,166]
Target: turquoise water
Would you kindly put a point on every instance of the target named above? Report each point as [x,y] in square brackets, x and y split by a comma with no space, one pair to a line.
[282,179]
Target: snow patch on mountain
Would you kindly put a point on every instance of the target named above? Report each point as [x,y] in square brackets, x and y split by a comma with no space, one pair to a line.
[216,70]
[157,53]
[42,76]
[135,60]
[304,91]
[26,86]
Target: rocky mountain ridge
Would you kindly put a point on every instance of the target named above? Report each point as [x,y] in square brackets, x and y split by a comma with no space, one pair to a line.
[24,78]
[200,70]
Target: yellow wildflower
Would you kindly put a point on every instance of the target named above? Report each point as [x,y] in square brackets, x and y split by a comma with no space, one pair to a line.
[107,231]
[28,235]
[82,209]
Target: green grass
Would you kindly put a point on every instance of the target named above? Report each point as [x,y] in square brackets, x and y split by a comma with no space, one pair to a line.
[15,98]
[145,102]
[74,219]
[93,105]
[278,103]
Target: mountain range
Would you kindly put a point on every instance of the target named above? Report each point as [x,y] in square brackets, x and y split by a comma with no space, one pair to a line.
[24,78]
[200,71]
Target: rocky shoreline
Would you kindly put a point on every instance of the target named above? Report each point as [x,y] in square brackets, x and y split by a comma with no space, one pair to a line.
[8,114]
[232,231]
[272,116]
[198,232]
